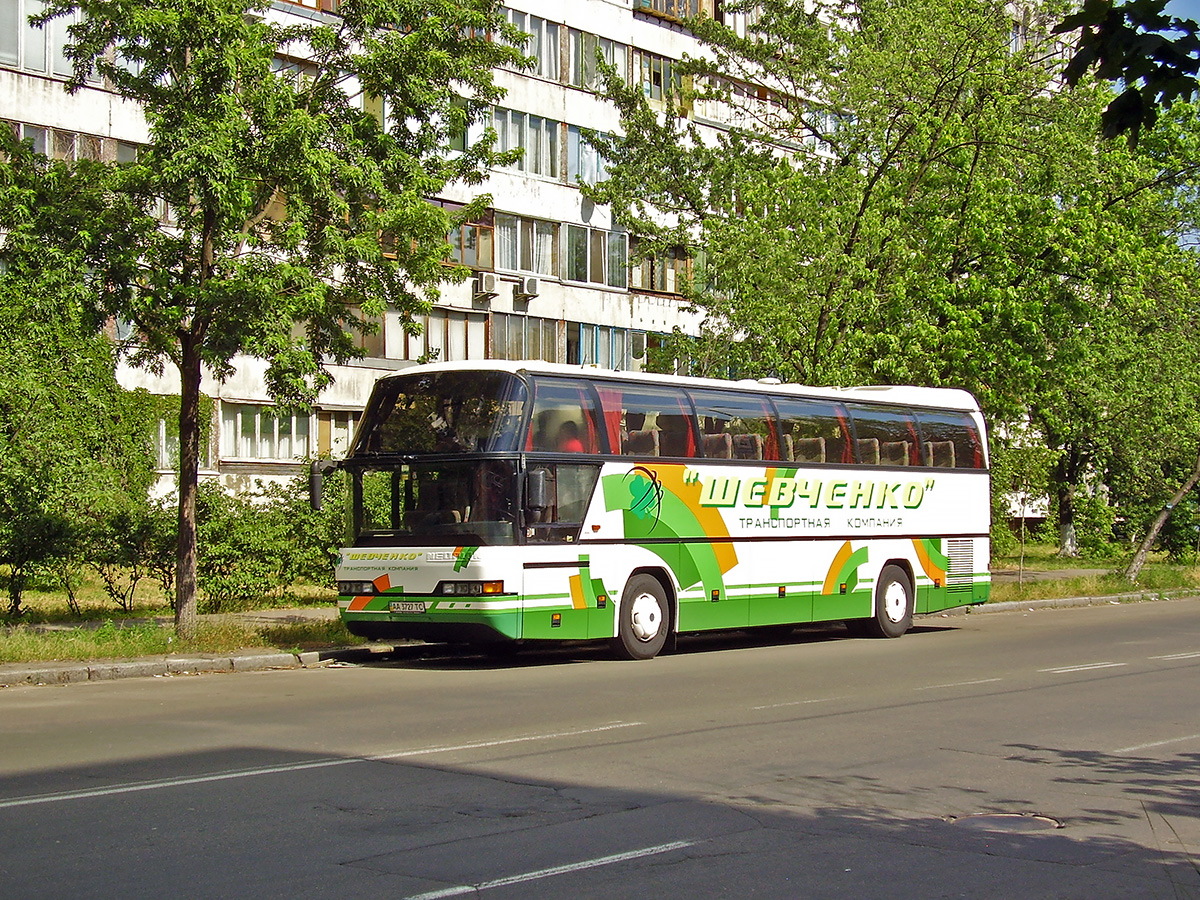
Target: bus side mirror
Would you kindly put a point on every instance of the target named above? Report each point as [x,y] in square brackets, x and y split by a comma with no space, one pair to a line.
[536,489]
[316,478]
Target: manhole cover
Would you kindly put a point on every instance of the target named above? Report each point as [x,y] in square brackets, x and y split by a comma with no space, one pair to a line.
[1008,822]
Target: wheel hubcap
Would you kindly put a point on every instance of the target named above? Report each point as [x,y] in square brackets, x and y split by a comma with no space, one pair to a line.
[895,601]
[646,617]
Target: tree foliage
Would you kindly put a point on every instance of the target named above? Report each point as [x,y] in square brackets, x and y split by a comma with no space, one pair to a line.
[1154,56]
[279,206]
[908,196]
[74,447]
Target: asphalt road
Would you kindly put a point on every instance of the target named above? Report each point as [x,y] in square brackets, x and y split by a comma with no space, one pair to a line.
[1046,754]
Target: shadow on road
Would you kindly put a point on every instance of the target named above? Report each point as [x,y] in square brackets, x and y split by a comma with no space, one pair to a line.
[501,656]
[267,823]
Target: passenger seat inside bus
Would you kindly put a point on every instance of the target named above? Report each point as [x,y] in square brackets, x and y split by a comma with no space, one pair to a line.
[868,451]
[718,446]
[894,453]
[747,446]
[940,453]
[641,443]
[811,450]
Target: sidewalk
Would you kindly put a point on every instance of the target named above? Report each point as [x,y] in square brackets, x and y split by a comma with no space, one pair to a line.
[56,672]
[69,672]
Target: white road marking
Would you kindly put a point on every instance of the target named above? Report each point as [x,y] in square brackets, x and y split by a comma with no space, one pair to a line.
[795,703]
[460,890]
[1063,670]
[954,684]
[1192,655]
[1178,740]
[321,763]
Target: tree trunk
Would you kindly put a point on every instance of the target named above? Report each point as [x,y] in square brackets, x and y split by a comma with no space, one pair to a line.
[1139,558]
[1068,537]
[189,477]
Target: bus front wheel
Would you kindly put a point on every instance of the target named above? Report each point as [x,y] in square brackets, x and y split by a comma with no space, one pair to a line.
[643,620]
[893,604]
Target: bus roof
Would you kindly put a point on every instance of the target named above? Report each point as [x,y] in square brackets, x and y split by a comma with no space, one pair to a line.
[898,395]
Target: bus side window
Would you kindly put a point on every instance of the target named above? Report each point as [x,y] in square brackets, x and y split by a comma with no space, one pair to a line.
[735,426]
[950,440]
[886,436]
[564,418]
[656,422]
[814,432]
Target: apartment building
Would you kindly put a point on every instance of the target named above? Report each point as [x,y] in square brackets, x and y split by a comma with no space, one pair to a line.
[553,276]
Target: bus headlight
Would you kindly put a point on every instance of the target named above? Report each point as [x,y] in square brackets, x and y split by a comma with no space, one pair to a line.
[356,588]
[470,588]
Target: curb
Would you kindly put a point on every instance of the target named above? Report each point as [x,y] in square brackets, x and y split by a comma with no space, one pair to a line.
[1109,600]
[161,667]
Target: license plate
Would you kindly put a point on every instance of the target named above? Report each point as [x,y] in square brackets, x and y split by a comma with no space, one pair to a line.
[407,606]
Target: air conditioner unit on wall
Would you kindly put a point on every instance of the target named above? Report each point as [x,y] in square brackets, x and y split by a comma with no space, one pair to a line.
[487,286]
[526,288]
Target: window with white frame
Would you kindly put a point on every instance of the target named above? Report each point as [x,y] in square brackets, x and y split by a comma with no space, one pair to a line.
[663,272]
[335,428]
[536,135]
[251,431]
[71,145]
[657,75]
[35,49]
[586,49]
[584,162]
[674,9]
[542,43]
[525,337]
[597,256]
[447,335]
[600,345]
[166,446]
[526,245]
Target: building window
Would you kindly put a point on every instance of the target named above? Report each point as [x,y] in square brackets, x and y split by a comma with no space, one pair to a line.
[473,242]
[585,50]
[599,345]
[672,9]
[526,245]
[657,74]
[34,49]
[584,162]
[250,431]
[334,431]
[35,134]
[447,335]
[299,72]
[525,337]
[542,43]
[661,272]
[166,445]
[537,136]
[597,256]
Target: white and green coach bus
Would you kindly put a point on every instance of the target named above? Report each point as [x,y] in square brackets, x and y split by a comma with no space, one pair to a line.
[510,502]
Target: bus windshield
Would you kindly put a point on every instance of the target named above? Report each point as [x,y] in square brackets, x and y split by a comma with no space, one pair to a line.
[443,412]
[449,504]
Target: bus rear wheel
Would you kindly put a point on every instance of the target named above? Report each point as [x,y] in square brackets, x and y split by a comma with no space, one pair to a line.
[893,604]
[643,620]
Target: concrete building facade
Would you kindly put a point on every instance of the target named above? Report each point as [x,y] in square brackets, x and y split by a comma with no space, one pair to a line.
[552,272]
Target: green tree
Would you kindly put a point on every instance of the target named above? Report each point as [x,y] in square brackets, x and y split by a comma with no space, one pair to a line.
[1154,56]
[280,203]
[899,201]
[73,445]
[907,196]
[1118,397]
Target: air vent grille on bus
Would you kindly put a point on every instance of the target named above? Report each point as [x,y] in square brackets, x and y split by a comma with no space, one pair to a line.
[961,572]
